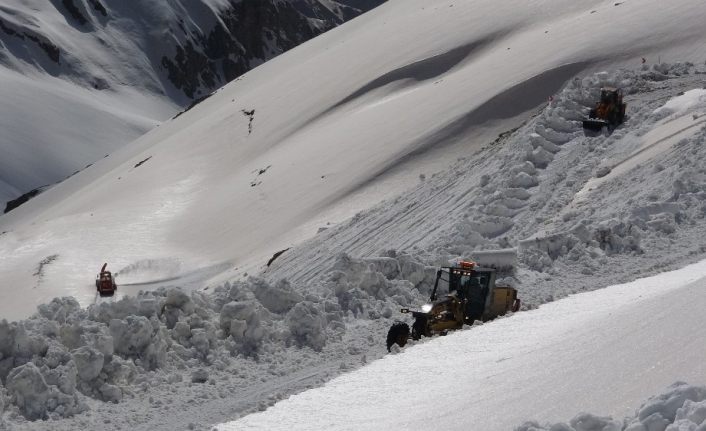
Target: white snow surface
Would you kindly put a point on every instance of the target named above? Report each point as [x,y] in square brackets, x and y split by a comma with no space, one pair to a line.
[340,123]
[373,155]
[99,93]
[601,352]
[684,103]
[81,78]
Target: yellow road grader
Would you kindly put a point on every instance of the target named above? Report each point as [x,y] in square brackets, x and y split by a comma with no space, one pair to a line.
[462,294]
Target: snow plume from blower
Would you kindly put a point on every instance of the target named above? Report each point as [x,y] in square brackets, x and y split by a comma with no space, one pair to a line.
[149,270]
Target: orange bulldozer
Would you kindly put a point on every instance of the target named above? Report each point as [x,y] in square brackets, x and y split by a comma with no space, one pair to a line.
[609,111]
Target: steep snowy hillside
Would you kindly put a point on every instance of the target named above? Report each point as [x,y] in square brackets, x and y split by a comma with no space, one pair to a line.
[318,134]
[81,78]
[403,147]
[581,211]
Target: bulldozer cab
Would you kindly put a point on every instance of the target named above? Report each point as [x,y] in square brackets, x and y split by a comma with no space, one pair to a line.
[466,283]
[610,95]
[608,112]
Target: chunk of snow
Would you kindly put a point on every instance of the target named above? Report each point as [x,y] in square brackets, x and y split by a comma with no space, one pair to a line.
[523,180]
[307,325]
[684,103]
[199,376]
[89,362]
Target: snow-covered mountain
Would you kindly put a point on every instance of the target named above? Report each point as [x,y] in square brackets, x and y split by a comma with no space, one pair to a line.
[106,71]
[366,156]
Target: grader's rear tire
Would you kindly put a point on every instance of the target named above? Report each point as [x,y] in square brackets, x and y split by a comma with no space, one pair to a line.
[516,305]
[398,334]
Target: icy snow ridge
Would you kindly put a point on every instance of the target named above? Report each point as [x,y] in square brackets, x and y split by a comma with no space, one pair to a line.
[681,408]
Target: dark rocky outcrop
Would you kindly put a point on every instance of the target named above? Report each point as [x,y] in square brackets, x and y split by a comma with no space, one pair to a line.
[11,205]
[52,51]
[203,54]
[248,33]
[98,6]
[74,11]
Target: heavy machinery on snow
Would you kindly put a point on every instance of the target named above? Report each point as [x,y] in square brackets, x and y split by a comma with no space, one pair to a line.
[471,294]
[105,282]
[609,111]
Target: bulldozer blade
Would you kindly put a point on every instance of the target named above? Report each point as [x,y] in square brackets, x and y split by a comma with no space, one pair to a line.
[594,124]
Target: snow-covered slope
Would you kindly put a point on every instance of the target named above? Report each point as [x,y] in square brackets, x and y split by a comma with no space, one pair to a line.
[322,132]
[602,352]
[581,211]
[80,78]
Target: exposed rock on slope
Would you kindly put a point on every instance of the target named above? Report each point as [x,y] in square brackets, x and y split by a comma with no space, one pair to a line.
[196,45]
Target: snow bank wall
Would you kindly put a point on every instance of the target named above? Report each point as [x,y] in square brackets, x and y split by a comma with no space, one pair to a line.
[52,362]
[682,407]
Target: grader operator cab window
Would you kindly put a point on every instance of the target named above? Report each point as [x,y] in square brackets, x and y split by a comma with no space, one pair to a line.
[609,95]
[470,286]
[465,283]
[473,283]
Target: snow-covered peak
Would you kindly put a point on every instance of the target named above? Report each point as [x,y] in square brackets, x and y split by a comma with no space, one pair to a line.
[81,78]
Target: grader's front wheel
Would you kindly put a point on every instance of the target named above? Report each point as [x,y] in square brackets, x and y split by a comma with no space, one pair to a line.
[419,328]
[398,334]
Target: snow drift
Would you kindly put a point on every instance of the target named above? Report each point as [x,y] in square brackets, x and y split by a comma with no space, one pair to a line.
[52,362]
[681,407]
[343,312]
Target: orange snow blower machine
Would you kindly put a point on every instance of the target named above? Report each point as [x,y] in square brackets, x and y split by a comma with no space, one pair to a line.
[105,283]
